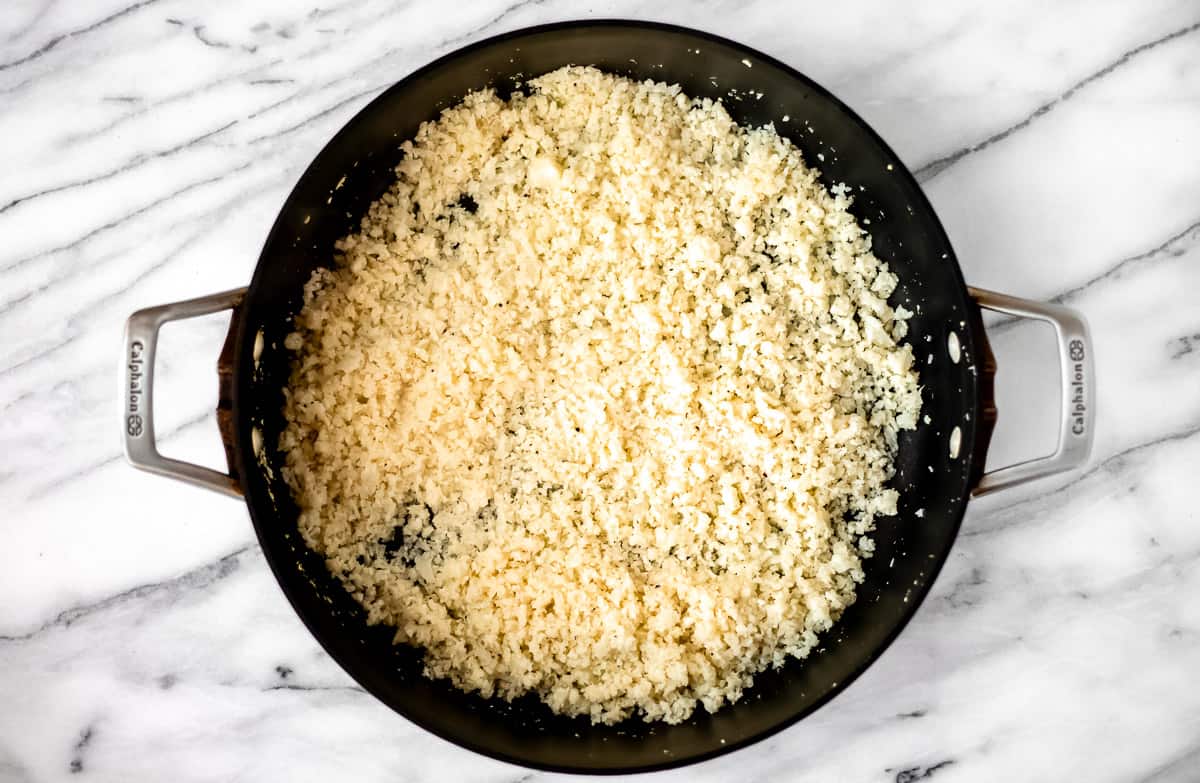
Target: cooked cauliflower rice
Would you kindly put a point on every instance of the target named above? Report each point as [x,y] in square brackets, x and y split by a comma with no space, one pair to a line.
[601,401]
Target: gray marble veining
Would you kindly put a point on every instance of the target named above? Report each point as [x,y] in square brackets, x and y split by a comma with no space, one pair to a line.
[147,147]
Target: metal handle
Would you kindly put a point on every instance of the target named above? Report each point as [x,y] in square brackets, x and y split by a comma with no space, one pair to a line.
[1078,391]
[137,406]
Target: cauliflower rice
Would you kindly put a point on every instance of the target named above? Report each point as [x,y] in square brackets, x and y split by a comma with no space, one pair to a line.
[601,400]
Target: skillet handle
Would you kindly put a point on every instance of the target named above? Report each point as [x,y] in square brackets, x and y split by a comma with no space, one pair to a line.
[1078,409]
[137,404]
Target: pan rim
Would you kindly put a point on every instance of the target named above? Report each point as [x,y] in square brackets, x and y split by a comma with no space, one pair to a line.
[246,462]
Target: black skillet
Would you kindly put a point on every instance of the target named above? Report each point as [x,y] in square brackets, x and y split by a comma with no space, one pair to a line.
[939,465]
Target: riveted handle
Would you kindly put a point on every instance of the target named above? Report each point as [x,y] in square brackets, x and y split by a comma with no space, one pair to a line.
[1078,405]
[137,405]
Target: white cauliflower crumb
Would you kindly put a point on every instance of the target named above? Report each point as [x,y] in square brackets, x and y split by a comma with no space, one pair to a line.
[601,401]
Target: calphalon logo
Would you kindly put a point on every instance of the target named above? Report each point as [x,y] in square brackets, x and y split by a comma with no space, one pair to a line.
[1076,351]
[133,419]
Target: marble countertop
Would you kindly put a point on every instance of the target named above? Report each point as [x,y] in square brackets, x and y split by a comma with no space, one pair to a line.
[146,149]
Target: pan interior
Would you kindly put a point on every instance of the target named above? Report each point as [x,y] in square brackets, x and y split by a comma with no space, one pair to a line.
[355,169]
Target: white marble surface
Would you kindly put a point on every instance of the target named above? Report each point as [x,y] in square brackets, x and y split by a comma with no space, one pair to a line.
[146,149]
